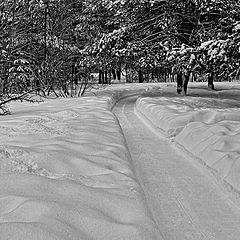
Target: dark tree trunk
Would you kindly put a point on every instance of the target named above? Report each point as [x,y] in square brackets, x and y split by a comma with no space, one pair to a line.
[152,76]
[147,76]
[126,71]
[140,76]
[109,77]
[210,80]
[118,71]
[114,74]
[186,80]
[179,83]
[38,86]
[101,77]
[76,80]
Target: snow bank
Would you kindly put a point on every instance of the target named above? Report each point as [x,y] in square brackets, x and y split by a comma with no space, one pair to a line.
[208,128]
[65,173]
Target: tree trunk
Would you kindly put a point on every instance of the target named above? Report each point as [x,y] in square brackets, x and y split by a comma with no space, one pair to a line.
[140,76]
[210,80]
[186,80]
[147,76]
[38,86]
[105,77]
[152,76]
[165,75]
[179,83]
[118,71]
[101,77]
[109,77]
[114,74]
[126,73]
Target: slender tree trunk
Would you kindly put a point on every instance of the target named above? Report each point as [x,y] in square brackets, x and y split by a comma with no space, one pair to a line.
[101,77]
[105,77]
[118,72]
[210,80]
[152,76]
[179,83]
[38,86]
[186,80]
[109,77]
[140,76]
[147,76]
[126,73]
[114,74]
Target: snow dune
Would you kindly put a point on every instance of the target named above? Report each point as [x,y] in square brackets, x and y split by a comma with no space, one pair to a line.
[206,127]
[65,173]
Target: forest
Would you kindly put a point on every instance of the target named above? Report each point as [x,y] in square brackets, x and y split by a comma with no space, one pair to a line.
[119,119]
[65,46]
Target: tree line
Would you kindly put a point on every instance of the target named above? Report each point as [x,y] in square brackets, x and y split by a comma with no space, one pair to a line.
[54,46]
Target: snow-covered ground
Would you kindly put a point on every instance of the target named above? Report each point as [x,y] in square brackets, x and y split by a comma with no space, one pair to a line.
[65,167]
[65,173]
[206,124]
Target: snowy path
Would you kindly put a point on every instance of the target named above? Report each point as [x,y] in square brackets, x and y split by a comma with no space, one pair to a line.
[184,201]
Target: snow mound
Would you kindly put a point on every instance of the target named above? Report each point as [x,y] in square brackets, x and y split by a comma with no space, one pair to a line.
[208,128]
[65,173]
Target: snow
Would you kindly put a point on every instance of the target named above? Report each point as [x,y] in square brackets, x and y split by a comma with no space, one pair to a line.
[208,128]
[65,173]
[184,198]
[66,170]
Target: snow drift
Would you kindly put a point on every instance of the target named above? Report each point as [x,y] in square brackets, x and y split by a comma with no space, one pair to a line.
[65,173]
[208,128]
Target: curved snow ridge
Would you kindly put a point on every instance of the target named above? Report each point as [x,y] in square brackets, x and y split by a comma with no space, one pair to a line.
[65,173]
[217,145]
[174,113]
[207,128]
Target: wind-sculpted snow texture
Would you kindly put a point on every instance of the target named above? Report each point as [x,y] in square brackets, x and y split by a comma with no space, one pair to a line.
[65,173]
[208,128]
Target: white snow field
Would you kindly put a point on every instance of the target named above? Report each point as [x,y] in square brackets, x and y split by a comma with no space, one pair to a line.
[73,169]
[65,173]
